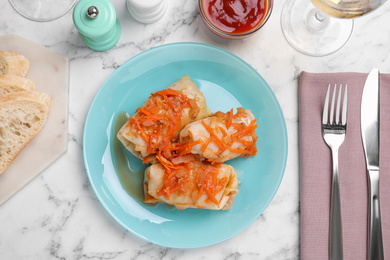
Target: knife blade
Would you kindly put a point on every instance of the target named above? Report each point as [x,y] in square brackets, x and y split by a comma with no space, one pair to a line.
[370,138]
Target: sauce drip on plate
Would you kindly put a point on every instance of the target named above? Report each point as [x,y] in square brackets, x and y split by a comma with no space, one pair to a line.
[132,181]
[235,16]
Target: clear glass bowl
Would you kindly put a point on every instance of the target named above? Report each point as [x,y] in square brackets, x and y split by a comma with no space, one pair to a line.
[42,10]
[233,36]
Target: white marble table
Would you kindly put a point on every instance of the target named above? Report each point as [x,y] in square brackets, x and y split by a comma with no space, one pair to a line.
[57,215]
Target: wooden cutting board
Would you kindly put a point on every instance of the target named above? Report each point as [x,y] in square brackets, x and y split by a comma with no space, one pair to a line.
[50,73]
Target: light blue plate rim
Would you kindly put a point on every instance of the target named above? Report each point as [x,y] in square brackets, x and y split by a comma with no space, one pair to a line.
[275,154]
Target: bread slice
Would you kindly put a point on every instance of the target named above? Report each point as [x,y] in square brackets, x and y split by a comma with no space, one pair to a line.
[12,63]
[22,115]
[13,83]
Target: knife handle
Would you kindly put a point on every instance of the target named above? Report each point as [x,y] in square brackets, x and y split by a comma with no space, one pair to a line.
[375,243]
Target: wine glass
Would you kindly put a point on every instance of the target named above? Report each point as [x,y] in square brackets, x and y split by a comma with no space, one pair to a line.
[314,28]
[42,10]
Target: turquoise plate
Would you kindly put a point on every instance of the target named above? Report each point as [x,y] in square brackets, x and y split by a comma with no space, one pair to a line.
[227,82]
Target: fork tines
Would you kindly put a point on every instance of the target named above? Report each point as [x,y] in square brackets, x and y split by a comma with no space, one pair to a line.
[333,118]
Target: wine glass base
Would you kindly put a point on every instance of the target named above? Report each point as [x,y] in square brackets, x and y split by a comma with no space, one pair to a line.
[42,10]
[311,36]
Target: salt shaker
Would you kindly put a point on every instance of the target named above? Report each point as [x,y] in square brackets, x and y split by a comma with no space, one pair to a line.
[147,11]
[97,23]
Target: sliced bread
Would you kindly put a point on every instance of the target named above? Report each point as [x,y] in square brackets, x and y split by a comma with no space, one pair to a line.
[22,115]
[12,63]
[13,83]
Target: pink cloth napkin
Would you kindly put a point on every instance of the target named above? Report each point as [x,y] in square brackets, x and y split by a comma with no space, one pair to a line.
[316,168]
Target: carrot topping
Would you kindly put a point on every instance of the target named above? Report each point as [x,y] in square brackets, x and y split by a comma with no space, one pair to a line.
[159,121]
[251,127]
[202,177]
[229,122]
[147,160]
[204,147]
[223,131]
[237,150]
[200,191]
[141,131]
[185,148]
[211,195]
[215,138]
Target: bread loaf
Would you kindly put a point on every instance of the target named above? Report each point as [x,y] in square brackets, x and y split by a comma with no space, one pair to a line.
[13,83]
[22,115]
[12,63]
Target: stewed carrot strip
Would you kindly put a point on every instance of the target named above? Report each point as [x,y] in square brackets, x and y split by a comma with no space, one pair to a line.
[216,139]
[142,132]
[147,160]
[211,195]
[204,147]
[229,122]
[236,150]
[251,127]
[200,191]
[185,148]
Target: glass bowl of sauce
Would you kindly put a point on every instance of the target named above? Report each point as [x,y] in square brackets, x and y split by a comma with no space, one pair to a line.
[235,19]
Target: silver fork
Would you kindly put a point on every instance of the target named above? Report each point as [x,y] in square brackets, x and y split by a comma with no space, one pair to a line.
[333,132]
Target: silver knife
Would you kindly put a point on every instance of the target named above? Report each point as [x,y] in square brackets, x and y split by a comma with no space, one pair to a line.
[370,137]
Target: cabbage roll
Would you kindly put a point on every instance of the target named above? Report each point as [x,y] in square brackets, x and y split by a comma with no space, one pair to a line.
[160,119]
[193,184]
[223,136]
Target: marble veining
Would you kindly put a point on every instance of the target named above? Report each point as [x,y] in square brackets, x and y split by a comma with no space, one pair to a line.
[57,215]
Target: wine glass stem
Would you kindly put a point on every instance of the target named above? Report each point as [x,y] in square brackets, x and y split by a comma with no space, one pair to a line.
[316,21]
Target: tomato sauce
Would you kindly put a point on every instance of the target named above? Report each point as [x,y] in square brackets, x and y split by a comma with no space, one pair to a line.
[235,16]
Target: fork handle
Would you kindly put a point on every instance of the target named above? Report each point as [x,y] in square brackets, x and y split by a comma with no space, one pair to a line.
[335,226]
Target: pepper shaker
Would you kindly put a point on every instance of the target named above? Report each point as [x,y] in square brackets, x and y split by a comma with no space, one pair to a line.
[149,11]
[97,23]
